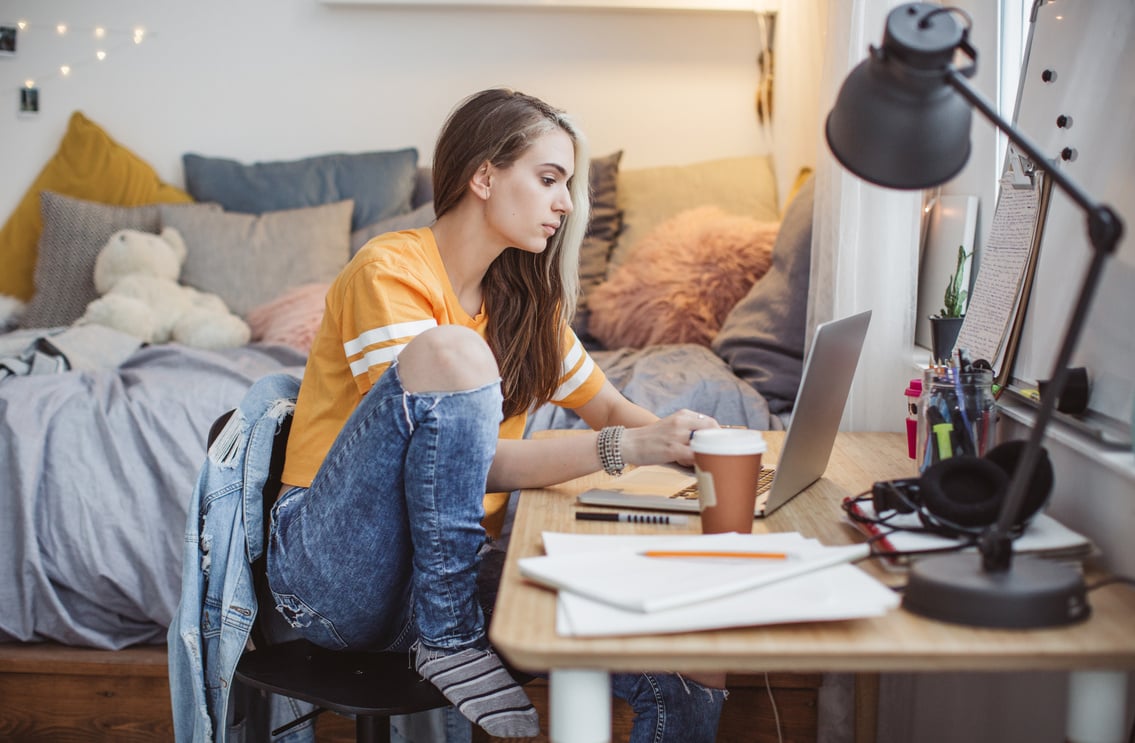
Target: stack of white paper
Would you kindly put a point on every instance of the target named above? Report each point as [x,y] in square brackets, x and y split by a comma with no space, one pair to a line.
[606,587]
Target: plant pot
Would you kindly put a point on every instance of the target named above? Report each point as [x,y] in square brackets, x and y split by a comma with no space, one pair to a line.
[943,336]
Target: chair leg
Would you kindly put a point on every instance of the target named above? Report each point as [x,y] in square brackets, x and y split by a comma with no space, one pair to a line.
[372,729]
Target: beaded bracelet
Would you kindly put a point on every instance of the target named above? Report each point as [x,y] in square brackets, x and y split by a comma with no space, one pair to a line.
[610,446]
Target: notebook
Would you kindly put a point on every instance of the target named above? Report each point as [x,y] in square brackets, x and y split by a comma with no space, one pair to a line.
[820,401]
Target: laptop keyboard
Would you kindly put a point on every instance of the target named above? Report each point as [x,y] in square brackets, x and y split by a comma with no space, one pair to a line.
[764,482]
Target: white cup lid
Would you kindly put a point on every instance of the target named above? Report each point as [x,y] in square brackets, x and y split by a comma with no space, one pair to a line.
[728,441]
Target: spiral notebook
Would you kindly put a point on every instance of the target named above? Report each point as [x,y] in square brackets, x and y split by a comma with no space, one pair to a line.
[820,400]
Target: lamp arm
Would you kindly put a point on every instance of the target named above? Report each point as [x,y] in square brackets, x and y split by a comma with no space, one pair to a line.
[1104,231]
[996,543]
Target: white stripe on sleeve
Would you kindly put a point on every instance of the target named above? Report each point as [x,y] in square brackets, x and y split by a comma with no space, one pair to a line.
[576,380]
[383,355]
[572,357]
[388,333]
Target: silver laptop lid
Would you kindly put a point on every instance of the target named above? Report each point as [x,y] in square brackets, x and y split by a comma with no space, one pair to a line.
[824,387]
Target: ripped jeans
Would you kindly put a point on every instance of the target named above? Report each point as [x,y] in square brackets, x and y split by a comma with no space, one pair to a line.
[384,549]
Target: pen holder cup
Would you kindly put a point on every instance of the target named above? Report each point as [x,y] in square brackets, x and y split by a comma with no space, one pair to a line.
[956,415]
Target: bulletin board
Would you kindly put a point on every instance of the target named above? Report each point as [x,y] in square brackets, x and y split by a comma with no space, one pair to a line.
[1077,103]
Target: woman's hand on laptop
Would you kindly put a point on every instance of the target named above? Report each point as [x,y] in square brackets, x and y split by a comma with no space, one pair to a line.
[667,440]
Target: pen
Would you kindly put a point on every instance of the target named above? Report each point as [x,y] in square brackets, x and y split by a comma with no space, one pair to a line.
[718,553]
[630,518]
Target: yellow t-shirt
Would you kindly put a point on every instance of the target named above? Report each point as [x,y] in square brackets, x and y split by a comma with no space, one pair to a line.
[393,289]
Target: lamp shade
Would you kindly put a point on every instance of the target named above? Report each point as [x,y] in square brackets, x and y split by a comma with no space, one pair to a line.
[896,121]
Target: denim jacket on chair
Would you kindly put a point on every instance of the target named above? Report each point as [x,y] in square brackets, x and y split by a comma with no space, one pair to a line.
[224,534]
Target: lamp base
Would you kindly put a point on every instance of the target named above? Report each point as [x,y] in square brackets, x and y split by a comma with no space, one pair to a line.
[1034,592]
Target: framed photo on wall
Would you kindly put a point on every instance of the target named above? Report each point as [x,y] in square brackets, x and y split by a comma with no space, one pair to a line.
[29,101]
[8,36]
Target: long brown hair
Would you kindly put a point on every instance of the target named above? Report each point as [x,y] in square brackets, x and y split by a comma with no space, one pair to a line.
[529,298]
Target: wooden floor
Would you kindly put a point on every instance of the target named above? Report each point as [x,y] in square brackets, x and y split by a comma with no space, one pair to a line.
[60,694]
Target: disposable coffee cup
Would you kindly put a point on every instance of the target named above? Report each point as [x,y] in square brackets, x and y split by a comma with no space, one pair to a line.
[727,462]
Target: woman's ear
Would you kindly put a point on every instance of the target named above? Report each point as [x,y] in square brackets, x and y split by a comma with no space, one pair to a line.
[482,180]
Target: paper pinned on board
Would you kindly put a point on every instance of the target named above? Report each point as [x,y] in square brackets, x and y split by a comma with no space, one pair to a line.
[1001,288]
[609,569]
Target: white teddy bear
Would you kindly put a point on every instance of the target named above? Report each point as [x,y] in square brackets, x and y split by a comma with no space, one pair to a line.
[136,276]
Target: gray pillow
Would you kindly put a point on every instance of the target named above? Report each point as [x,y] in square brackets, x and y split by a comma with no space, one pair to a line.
[74,232]
[763,337]
[248,259]
[423,186]
[380,183]
[423,216]
[602,230]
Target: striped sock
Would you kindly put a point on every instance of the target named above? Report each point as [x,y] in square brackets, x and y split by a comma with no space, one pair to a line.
[477,684]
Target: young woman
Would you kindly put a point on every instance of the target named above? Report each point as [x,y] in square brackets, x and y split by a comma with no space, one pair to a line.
[434,345]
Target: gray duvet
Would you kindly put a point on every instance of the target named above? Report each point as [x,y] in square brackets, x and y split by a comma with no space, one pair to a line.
[96,471]
[665,379]
[97,468]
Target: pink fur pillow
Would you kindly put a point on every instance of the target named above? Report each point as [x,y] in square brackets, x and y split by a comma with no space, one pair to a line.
[681,279]
[291,319]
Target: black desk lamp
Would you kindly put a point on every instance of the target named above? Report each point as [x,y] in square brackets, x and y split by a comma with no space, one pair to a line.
[902,120]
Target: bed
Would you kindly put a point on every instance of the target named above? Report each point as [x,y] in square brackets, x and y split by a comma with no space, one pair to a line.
[103,435]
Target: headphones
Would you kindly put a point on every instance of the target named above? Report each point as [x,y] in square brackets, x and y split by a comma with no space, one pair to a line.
[959,497]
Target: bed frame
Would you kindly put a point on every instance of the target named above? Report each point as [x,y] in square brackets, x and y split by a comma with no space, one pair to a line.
[51,692]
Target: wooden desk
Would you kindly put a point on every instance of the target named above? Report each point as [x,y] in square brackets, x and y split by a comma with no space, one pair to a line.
[1100,650]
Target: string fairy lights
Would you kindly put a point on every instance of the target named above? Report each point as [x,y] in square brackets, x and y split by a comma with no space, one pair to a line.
[105,43]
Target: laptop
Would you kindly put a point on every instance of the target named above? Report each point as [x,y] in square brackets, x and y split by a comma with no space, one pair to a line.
[820,401]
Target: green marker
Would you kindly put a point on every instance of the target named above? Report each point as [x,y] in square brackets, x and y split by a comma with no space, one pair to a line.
[942,432]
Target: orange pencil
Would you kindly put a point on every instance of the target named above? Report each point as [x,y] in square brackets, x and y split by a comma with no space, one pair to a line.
[723,553]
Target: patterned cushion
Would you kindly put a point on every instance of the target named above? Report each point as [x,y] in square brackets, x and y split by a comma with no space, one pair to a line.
[74,232]
[602,230]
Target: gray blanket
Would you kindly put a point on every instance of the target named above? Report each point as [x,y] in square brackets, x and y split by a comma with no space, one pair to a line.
[96,471]
[665,379]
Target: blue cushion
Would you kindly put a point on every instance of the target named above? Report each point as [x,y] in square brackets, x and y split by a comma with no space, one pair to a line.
[380,183]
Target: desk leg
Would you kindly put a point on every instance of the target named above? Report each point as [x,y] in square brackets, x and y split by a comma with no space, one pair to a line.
[1097,706]
[579,705]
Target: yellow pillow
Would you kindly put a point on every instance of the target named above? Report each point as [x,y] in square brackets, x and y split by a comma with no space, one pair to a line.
[88,165]
[801,178]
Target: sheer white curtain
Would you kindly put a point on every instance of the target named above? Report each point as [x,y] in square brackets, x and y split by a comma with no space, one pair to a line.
[865,240]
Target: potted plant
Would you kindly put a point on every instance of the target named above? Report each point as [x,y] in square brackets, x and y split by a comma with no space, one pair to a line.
[945,325]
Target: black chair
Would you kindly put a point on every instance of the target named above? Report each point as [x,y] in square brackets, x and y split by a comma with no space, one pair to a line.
[370,686]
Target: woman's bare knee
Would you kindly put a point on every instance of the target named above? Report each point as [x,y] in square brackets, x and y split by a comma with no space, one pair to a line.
[445,358]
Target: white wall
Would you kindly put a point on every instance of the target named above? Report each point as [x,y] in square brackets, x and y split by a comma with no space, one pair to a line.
[278,79]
